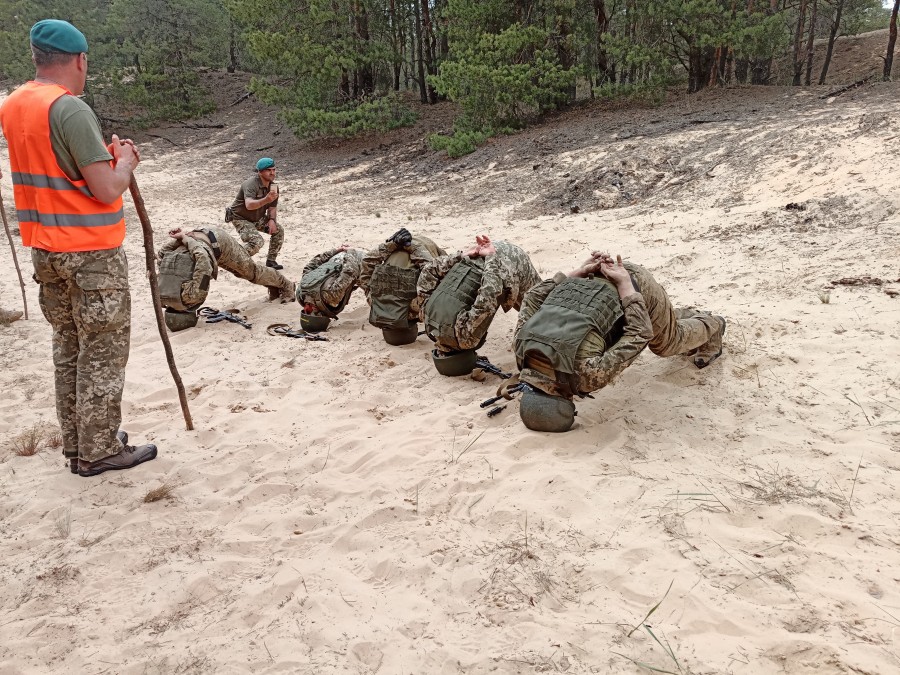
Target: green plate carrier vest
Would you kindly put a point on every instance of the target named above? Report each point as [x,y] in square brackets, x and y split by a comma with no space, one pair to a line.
[391,291]
[570,312]
[176,268]
[311,285]
[455,293]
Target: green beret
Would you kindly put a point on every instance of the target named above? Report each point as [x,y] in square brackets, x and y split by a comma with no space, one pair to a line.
[265,163]
[53,35]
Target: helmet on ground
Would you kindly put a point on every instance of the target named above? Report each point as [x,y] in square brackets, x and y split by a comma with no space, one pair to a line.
[313,323]
[542,412]
[401,336]
[177,321]
[454,364]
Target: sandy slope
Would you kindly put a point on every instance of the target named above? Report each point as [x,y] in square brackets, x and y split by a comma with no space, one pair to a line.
[341,507]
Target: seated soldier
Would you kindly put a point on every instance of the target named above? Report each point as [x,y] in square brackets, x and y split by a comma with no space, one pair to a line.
[328,281]
[191,260]
[576,333]
[389,276]
[460,294]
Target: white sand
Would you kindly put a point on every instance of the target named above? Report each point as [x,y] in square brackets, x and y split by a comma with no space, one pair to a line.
[342,508]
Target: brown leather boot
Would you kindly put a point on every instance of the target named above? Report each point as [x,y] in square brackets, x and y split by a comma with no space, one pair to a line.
[128,457]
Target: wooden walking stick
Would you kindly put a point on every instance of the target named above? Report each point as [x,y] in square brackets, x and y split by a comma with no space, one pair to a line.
[150,255]
[12,247]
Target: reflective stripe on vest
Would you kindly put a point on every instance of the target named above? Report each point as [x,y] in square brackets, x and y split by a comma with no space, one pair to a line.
[556,330]
[55,213]
[455,293]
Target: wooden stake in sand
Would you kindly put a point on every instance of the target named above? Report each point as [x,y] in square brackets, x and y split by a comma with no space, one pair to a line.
[12,247]
[150,255]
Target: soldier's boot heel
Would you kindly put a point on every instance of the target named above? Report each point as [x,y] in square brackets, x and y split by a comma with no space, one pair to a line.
[708,353]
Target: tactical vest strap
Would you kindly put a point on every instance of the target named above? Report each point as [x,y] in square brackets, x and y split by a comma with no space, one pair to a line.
[553,334]
[455,293]
[312,283]
[391,290]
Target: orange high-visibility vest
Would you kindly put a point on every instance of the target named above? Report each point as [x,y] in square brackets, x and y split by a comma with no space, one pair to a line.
[55,213]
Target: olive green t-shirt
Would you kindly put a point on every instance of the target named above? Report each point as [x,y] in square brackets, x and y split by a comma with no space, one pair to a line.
[75,136]
[252,188]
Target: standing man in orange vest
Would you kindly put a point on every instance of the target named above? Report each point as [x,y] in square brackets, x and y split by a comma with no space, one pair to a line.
[68,192]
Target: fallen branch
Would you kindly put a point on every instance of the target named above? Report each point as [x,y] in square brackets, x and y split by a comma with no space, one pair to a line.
[150,255]
[242,98]
[164,138]
[845,89]
[12,247]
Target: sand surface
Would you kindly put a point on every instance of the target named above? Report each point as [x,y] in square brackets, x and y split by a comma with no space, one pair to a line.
[343,508]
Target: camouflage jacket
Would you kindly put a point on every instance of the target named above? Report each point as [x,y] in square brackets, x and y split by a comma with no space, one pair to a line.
[508,276]
[204,265]
[595,368]
[335,288]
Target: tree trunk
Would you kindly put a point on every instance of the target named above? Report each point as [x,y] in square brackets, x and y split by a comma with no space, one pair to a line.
[604,74]
[363,76]
[395,45]
[832,36]
[798,39]
[892,40]
[564,49]
[232,48]
[810,43]
[430,47]
[420,65]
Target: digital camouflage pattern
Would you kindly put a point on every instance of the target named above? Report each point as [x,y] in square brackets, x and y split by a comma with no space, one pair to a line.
[650,321]
[86,299]
[508,275]
[250,235]
[195,289]
[335,288]
[234,258]
[420,253]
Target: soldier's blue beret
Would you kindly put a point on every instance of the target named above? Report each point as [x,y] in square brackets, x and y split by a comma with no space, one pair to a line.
[53,35]
[265,163]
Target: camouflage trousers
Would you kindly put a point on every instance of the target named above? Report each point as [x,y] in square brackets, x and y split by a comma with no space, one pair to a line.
[236,259]
[85,298]
[675,331]
[250,235]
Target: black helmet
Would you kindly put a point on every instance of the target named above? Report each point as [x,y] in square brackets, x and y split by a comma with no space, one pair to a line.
[542,412]
[401,336]
[313,323]
[454,364]
[177,321]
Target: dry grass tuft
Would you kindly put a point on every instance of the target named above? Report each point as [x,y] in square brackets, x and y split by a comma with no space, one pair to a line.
[164,491]
[28,443]
[54,440]
[62,520]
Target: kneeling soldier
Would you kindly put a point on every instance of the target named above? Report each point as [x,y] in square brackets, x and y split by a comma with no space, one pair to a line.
[460,294]
[389,277]
[576,333]
[328,281]
[255,210]
[191,260]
